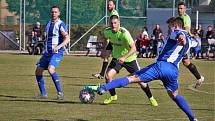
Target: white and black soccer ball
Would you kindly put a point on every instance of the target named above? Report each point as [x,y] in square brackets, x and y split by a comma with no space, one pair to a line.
[87,96]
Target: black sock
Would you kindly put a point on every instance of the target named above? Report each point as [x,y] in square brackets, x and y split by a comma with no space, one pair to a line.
[194,70]
[112,92]
[147,91]
[104,67]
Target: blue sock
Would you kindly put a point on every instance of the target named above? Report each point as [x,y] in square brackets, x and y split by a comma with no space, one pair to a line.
[56,82]
[116,83]
[40,82]
[182,103]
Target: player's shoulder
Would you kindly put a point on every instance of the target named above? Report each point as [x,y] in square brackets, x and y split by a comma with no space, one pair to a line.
[123,30]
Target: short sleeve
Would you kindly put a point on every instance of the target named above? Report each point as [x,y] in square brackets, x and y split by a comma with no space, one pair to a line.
[63,27]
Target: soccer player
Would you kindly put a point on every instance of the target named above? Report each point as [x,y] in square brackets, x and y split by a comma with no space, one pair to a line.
[186,60]
[107,52]
[124,56]
[164,69]
[56,38]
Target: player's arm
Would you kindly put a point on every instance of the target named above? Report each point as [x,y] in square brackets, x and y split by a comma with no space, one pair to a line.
[66,39]
[131,51]
[181,39]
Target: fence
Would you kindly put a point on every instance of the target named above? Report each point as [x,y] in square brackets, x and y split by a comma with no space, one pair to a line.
[84,17]
[19,16]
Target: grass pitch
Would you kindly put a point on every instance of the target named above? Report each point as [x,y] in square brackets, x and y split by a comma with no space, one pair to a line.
[18,87]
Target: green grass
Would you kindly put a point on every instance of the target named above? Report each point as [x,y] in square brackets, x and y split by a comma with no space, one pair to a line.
[18,86]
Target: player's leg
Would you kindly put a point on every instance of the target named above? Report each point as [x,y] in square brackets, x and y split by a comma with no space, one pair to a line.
[182,104]
[105,55]
[193,70]
[132,67]
[109,77]
[103,70]
[41,65]
[54,62]
[104,66]
[112,70]
[146,74]
[40,82]
[169,77]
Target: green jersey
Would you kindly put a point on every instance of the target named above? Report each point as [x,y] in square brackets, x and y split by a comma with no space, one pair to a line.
[121,42]
[186,20]
[114,12]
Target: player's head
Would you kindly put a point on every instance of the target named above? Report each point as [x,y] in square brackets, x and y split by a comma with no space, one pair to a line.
[55,13]
[170,22]
[178,23]
[162,37]
[111,5]
[182,8]
[210,28]
[114,23]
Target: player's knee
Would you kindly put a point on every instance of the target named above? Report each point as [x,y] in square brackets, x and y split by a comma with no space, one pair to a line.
[186,62]
[106,59]
[51,69]
[172,95]
[38,71]
[133,79]
[108,77]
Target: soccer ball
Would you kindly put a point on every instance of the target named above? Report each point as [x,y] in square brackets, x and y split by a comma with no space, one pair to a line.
[87,96]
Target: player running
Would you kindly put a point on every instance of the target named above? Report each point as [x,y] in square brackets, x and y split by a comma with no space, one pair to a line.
[56,38]
[124,56]
[166,69]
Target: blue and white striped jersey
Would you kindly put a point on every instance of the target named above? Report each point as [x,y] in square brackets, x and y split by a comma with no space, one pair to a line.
[172,52]
[54,36]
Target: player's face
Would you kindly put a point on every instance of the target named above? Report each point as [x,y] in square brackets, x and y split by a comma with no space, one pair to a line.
[115,25]
[55,13]
[111,5]
[181,9]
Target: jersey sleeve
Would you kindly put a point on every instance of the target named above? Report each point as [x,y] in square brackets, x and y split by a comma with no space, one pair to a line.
[63,27]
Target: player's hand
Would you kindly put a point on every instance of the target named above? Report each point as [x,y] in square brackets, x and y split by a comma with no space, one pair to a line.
[121,60]
[56,49]
[181,40]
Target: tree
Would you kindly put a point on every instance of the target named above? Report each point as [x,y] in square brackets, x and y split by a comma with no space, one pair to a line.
[37,10]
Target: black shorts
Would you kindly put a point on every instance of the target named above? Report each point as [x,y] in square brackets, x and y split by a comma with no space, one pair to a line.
[109,46]
[131,67]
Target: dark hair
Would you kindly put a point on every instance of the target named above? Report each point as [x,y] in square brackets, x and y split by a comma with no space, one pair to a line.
[170,20]
[179,21]
[55,7]
[181,3]
[145,28]
[114,17]
[114,2]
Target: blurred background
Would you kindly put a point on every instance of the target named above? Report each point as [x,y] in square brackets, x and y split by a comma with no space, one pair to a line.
[87,18]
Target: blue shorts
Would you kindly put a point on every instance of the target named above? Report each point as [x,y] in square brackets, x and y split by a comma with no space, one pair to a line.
[164,71]
[50,59]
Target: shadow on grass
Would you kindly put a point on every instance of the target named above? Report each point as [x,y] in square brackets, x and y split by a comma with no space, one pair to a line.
[61,76]
[31,99]
[53,120]
[41,120]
